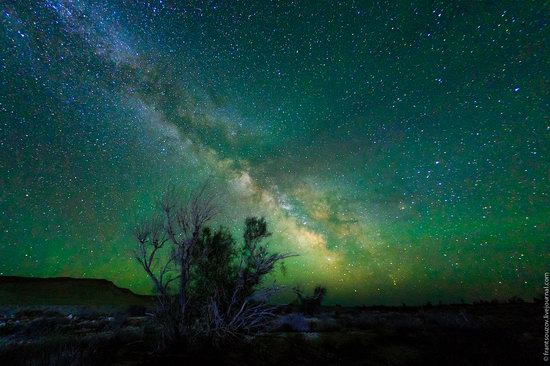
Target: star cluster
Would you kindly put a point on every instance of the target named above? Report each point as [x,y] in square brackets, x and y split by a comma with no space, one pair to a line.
[400,148]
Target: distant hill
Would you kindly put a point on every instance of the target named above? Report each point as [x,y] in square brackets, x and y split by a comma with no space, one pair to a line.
[66,291]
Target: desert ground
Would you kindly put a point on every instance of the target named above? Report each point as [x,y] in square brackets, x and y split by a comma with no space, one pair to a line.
[480,334]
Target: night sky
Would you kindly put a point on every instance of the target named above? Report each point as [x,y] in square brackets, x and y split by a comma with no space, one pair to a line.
[401,148]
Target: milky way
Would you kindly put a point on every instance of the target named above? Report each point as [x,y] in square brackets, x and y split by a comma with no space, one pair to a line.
[401,149]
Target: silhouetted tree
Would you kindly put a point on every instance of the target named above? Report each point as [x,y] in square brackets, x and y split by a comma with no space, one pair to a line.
[180,224]
[236,302]
[219,290]
[311,304]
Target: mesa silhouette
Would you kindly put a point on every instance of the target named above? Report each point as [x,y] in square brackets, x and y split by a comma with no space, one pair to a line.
[16,290]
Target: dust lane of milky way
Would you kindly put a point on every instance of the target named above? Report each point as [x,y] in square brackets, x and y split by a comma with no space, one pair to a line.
[400,148]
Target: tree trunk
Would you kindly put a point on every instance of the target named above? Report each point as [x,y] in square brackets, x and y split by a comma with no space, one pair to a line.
[185,264]
[184,279]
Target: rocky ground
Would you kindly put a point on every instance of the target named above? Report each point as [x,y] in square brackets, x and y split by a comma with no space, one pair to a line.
[489,334]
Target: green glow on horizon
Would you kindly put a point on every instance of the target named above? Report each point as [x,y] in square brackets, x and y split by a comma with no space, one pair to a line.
[402,150]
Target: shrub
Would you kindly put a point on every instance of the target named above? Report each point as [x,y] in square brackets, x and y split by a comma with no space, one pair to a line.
[219,290]
[311,304]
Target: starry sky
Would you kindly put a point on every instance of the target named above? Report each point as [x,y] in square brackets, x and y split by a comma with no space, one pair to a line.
[400,148]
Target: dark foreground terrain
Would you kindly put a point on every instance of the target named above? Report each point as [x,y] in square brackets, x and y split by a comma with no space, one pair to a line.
[484,334]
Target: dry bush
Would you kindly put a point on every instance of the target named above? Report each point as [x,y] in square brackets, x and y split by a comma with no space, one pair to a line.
[207,284]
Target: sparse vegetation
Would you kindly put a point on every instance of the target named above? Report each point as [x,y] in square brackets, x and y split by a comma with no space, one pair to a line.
[311,304]
[219,290]
[226,298]
[475,334]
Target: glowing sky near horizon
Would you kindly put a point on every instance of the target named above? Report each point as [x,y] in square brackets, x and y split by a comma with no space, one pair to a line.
[400,148]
